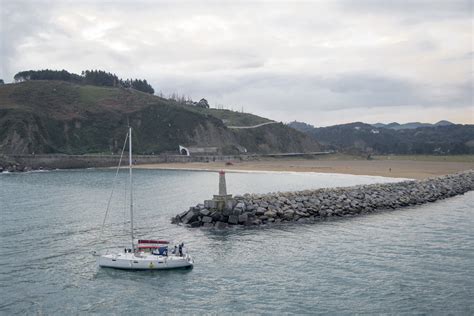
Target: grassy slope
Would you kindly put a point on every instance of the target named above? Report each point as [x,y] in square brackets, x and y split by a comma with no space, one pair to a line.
[66,118]
[232,118]
[60,117]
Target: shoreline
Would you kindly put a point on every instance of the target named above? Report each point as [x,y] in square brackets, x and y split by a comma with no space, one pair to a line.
[388,168]
[403,167]
[265,172]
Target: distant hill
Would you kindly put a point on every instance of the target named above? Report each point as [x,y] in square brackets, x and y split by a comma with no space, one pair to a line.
[365,138]
[411,125]
[62,117]
[301,126]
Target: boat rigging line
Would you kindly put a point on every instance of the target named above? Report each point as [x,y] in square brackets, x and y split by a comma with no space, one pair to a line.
[113,187]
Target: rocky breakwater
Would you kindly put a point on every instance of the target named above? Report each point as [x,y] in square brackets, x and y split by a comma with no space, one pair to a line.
[314,205]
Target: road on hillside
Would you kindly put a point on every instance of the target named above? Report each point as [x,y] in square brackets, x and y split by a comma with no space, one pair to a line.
[254,126]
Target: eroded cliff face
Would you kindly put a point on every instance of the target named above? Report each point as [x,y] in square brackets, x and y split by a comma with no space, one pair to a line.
[15,143]
[276,138]
[211,135]
[57,117]
[21,134]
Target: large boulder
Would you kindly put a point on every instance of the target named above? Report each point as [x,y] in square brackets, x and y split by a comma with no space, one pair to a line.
[190,217]
[270,214]
[260,211]
[289,214]
[206,219]
[302,213]
[233,219]
[243,218]
[220,225]
[240,206]
[237,211]
[217,216]
[204,212]
[183,214]
[195,224]
[251,207]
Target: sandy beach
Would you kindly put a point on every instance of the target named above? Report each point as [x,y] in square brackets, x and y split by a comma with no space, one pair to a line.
[398,167]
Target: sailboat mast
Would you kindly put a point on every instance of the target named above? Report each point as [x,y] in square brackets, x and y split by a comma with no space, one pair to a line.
[130,162]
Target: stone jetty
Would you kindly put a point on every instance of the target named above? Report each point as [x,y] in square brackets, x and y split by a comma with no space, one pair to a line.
[314,205]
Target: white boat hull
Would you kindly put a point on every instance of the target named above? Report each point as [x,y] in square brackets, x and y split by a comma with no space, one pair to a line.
[130,261]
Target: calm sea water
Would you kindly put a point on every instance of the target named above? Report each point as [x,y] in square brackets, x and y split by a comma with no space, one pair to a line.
[416,260]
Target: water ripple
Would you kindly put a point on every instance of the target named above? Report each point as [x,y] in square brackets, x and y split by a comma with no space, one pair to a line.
[414,261]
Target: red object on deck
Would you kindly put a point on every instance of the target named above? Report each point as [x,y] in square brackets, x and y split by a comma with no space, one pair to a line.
[221,172]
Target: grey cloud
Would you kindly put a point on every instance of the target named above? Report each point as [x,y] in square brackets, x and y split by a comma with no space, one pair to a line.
[343,91]
[369,83]
[427,45]
[18,21]
[276,59]
[413,10]
[469,56]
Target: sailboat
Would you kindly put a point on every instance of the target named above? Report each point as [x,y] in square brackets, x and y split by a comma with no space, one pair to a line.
[146,254]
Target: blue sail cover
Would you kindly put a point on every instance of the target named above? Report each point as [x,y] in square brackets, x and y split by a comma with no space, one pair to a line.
[163,251]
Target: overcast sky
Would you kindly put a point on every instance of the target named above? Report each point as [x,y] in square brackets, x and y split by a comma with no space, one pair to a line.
[321,62]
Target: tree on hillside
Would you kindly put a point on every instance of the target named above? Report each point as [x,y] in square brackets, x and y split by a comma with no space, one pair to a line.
[203,104]
[137,84]
[90,77]
[100,78]
[1,81]
[142,85]
[47,74]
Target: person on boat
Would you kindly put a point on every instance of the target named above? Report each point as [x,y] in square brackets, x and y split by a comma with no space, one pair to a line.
[184,250]
[180,249]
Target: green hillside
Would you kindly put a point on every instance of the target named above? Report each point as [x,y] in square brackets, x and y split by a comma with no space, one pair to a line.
[62,117]
[438,139]
[231,118]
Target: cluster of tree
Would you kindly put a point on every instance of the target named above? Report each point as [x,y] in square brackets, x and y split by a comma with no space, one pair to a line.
[47,74]
[137,84]
[1,81]
[100,78]
[91,77]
